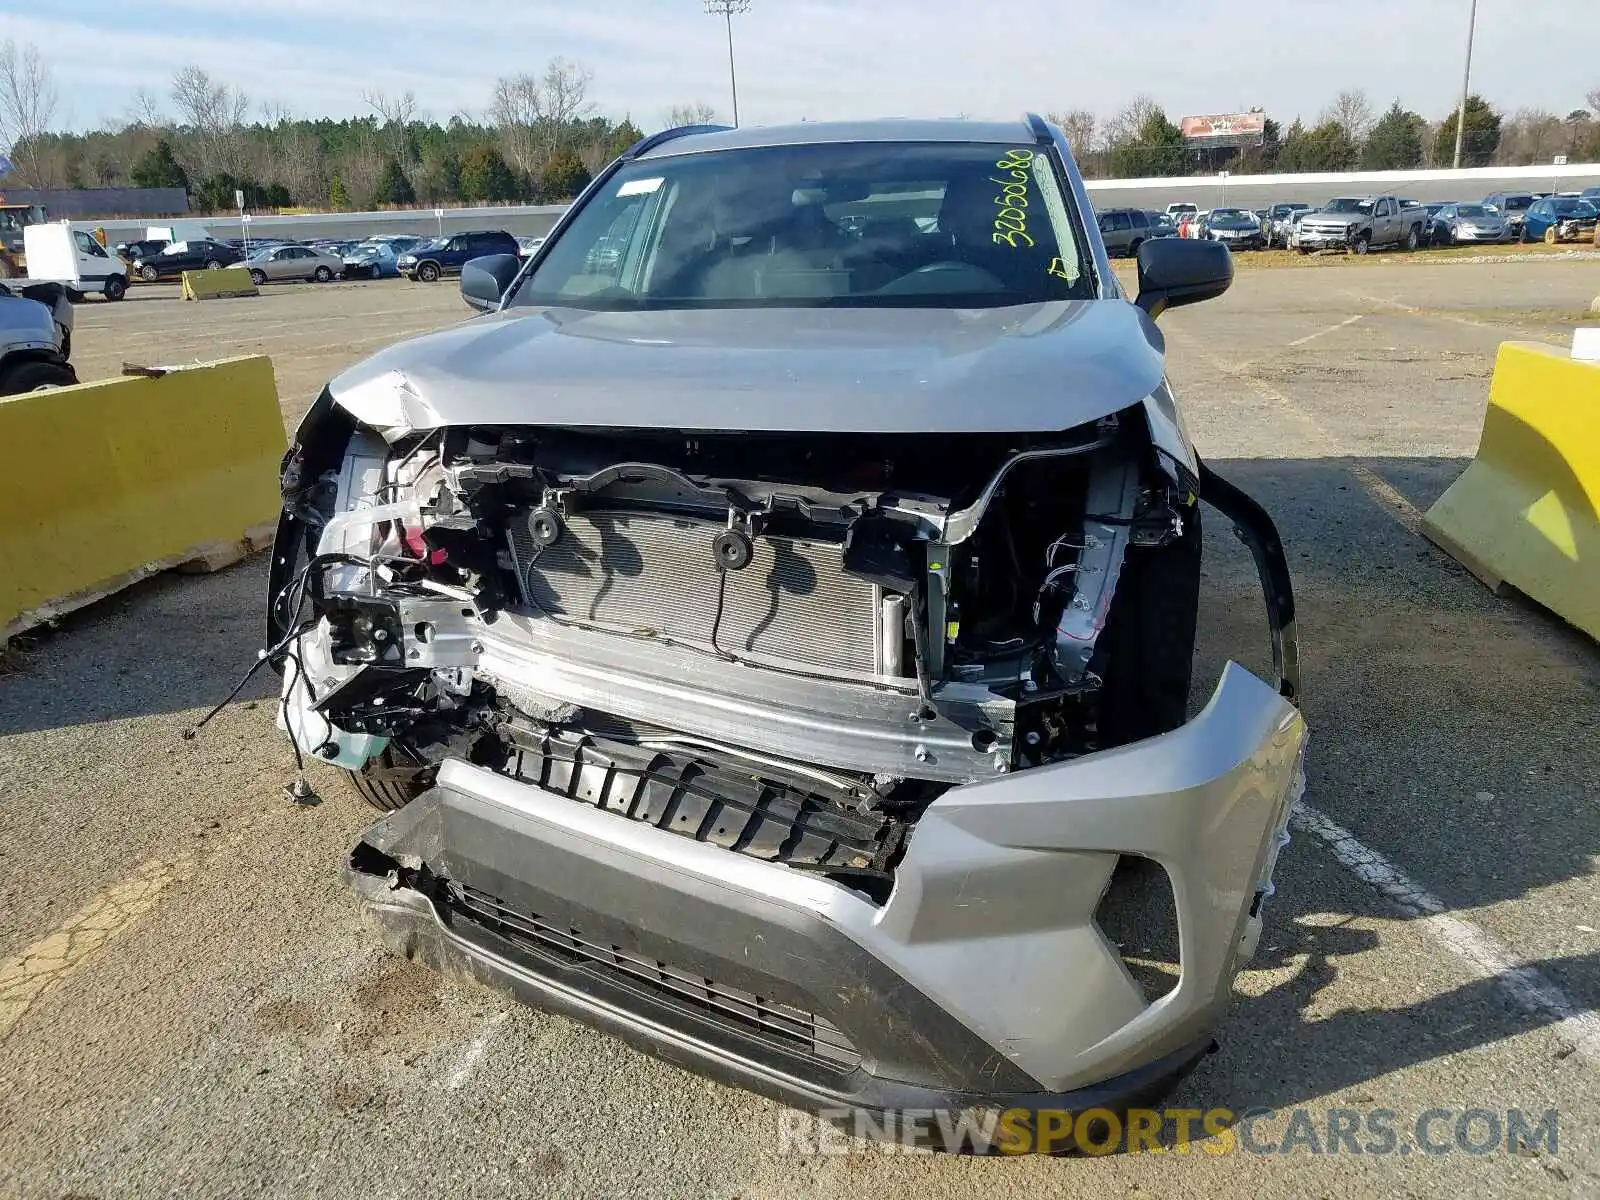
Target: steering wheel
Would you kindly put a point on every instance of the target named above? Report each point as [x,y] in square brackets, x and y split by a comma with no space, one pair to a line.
[944,275]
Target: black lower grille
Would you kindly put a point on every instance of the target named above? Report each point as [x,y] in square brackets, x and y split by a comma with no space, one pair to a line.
[741,807]
[780,1025]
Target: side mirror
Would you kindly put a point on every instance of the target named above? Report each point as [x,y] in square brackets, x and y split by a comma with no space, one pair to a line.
[485,280]
[1173,273]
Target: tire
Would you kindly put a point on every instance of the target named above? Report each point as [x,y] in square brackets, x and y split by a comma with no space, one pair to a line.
[1304,249]
[213,265]
[428,272]
[322,275]
[1413,238]
[116,288]
[1149,639]
[1550,238]
[259,278]
[148,273]
[391,782]
[36,375]
[1362,245]
[1133,247]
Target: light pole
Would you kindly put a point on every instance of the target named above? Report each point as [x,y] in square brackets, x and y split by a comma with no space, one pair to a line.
[1466,82]
[725,9]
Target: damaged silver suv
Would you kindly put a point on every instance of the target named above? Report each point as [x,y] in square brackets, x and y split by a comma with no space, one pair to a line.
[771,628]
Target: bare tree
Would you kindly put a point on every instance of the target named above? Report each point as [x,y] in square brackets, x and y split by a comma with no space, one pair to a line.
[1079,126]
[28,100]
[398,113]
[534,113]
[1531,135]
[698,113]
[215,111]
[145,110]
[1593,99]
[275,113]
[1125,125]
[1352,110]
[566,91]
[517,108]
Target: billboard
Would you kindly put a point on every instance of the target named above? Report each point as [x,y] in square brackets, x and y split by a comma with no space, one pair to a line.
[1234,129]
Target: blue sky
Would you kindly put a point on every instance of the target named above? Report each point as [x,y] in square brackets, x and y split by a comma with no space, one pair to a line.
[821,59]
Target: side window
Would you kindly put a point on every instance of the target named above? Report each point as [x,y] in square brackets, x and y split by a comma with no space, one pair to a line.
[87,245]
[1119,220]
[1140,221]
[1105,223]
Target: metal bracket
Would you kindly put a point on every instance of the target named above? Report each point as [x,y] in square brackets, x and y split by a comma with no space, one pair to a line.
[1113,491]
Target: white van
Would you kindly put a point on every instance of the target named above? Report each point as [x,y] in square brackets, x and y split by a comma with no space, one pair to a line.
[66,255]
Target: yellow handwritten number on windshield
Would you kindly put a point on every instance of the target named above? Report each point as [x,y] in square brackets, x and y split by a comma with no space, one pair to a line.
[1011,217]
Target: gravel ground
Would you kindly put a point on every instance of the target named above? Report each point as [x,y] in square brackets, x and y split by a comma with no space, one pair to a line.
[202,1014]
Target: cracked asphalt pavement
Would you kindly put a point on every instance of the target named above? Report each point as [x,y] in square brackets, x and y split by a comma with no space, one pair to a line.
[190,1006]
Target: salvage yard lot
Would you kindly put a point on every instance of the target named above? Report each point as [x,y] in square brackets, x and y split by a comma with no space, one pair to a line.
[189,1005]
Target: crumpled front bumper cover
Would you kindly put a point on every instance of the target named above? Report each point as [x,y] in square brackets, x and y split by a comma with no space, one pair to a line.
[983,982]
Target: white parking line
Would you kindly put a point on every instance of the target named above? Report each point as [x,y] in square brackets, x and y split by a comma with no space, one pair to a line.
[1311,337]
[1526,987]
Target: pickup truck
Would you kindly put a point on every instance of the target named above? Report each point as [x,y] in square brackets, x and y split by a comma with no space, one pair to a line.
[1360,224]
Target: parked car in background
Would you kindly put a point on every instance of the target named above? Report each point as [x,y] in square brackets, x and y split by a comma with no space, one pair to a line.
[1513,206]
[1434,231]
[1280,222]
[372,260]
[278,264]
[1235,228]
[1124,229]
[447,255]
[1359,224]
[1162,225]
[398,242]
[136,252]
[527,246]
[201,254]
[1559,219]
[1176,211]
[1471,223]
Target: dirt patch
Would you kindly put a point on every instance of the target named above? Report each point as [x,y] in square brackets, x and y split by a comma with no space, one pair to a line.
[547,1164]
[289,1017]
[394,1009]
[348,1096]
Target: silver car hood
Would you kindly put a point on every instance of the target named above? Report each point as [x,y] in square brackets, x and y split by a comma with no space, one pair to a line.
[1020,369]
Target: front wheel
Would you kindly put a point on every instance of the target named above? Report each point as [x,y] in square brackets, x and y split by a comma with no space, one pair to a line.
[1363,245]
[213,265]
[322,275]
[428,273]
[259,278]
[36,375]
[116,288]
[148,273]
[1550,238]
[392,780]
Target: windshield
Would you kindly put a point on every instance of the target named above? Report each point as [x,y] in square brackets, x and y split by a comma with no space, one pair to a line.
[1229,214]
[1569,206]
[1349,204]
[1471,210]
[898,224]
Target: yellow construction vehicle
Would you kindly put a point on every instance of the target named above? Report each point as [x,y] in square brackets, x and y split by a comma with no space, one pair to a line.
[13,219]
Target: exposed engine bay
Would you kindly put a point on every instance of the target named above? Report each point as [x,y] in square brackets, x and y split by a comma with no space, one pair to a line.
[788,644]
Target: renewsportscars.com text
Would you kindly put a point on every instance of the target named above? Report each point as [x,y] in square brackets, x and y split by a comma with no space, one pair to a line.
[1381,1132]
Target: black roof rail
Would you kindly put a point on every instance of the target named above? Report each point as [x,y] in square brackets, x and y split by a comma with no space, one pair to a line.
[1041,131]
[667,135]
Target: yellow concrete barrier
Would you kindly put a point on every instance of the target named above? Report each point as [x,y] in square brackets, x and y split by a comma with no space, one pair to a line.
[108,482]
[218,285]
[1527,511]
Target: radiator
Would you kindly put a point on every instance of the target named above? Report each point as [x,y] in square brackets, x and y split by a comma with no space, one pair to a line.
[653,574]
